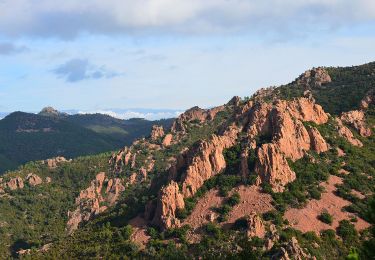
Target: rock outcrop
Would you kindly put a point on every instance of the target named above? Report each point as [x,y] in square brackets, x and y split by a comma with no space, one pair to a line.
[255,225]
[292,250]
[157,132]
[15,183]
[169,201]
[273,168]
[368,100]
[207,161]
[167,141]
[344,132]
[356,119]
[282,124]
[317,142]
[34,179]
[53,162]
[89,200]
[194,114]
[314,78]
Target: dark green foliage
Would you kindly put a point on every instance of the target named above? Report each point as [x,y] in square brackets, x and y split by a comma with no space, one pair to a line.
[233,159]
[347,232]
[326,217]
[349,85]
[28,137]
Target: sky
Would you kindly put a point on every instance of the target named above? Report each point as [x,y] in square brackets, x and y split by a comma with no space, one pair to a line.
[153,58]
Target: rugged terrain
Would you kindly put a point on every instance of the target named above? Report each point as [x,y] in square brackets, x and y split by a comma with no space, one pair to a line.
[28,137]
[287,173]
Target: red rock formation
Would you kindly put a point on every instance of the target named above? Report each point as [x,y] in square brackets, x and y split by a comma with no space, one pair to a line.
[34,179]
[114,189]
[292,250]
[314,78]
[15,183]
[273,168]
[192,114]
[256,226]
[290,136]
[207,161]
[368,100]
[157,132]
[356,118]
[167,140]
[305,110]
[169,200]
[53,163]
[344,132]
[89,200]
[318,143]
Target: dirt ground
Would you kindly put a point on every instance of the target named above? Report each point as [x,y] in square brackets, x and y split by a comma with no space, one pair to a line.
[306,219]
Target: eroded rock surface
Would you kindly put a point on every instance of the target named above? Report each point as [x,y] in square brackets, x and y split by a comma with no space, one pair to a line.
[344,132]
[169,200]
[256,226]
[157,132]
[272,167]
[292,250]
[53,162]
[356,119]
[314,78]
[89,200]
[34,179]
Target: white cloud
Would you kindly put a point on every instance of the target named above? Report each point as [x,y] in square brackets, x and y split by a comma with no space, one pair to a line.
[67,19]
[127,114]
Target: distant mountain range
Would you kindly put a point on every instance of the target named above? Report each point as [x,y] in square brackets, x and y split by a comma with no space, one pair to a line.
[128,113]
[26,136]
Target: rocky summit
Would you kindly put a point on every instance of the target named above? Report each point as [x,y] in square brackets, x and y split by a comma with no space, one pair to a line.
[287,173]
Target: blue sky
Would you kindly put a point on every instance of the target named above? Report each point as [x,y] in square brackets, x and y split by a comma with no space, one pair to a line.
[169,54]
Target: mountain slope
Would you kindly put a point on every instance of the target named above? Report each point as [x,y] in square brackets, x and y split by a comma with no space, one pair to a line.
[272,176]
[26,137]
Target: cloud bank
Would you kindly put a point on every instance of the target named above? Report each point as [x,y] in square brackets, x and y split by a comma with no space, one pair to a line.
[69,18]
[76,70]
[7,48]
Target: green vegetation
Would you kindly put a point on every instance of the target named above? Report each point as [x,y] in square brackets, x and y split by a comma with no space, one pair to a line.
[28,137]
[326,217]
[349,85]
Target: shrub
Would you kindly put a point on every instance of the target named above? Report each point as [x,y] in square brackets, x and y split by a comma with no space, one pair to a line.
[234,199]
[325,217]
[347,232]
